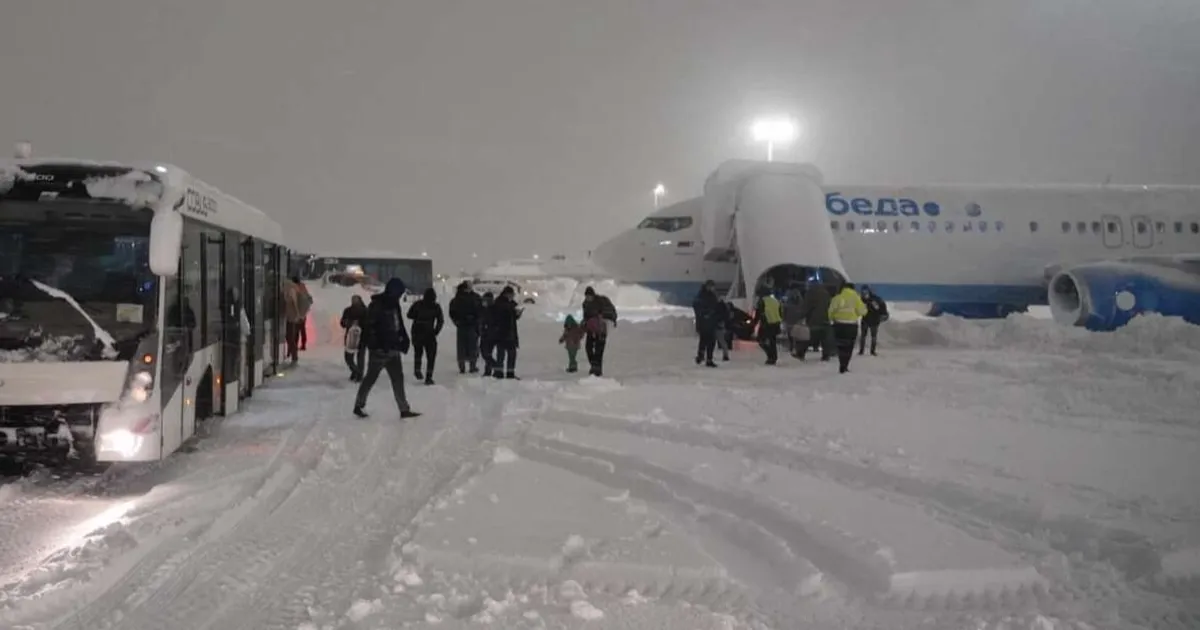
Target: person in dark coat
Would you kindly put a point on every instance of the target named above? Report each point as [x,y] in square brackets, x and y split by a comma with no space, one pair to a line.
[724,327]
[707,311]
[387,343]
[503,330]
[465,309]
[598,312]
[487,345]
[816,317]
[877,313]
[428,321]
[355,317]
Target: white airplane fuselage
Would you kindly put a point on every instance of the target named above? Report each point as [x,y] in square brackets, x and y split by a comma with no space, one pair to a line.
[986,249]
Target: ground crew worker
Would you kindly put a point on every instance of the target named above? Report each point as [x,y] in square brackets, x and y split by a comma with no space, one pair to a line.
[769,313]
[845,310]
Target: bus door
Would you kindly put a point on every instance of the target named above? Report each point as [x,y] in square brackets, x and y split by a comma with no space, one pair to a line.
[232,351]
[249,303]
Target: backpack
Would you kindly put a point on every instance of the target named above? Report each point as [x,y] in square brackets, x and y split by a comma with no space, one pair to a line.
[353,338]
[607,310]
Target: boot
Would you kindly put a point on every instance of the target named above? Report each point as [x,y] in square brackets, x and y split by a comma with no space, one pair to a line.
[498,374]
[417,374]
[429,380]
[474,369]
[404,415]
[358,411]
[512,375]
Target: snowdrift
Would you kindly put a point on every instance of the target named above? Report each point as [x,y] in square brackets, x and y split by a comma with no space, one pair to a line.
[1147,335]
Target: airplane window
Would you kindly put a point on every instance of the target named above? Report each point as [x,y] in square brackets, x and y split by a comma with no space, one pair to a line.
[881,226]
[849,226]
[1112,226]
[949,226]
[685,244]
[1095,227]
[999,226]
[1179,227]
[933,226]
[983,226]
[967,226]
[1066,226]
[915,226]
[834,225]
[1141,227]
[896,227]
[1081,227]
[1195,228]
[1033,226]
[666,224]
[1160,227]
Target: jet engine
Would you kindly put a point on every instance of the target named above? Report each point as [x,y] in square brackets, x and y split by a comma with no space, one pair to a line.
[1104,296]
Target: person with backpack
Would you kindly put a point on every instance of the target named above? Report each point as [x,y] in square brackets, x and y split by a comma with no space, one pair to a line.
[428,321]
[465,309]
[769,315]
[387,343]
[354,318]
[877,313]
[598,311]
[502,327]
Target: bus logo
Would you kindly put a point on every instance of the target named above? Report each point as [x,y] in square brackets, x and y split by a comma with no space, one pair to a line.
[199,204]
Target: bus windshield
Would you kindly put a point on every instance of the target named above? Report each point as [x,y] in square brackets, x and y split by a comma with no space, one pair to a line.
[97,255]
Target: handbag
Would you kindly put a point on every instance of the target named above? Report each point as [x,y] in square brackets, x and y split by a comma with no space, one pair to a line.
[800,332]
[353,338]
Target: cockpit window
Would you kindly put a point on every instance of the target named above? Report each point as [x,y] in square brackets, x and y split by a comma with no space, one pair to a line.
[666,224]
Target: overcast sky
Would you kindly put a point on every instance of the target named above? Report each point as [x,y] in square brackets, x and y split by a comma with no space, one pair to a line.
[507,127]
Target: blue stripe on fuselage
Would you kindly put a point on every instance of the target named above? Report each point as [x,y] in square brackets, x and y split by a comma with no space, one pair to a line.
[682,293]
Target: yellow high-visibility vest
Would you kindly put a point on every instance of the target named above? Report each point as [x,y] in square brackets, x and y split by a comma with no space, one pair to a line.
[772,310]
[846,307]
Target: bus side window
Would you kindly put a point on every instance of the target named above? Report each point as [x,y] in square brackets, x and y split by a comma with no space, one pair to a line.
[179,319]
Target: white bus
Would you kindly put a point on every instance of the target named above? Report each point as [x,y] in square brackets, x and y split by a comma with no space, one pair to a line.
[135,302]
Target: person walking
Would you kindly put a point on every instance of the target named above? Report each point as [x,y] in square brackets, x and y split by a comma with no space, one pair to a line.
[428,321]
[816,318]
[465,309]
[387,343]
[293,318]
[571,338]
[598,312]
[724,332]
[877,313]
[845,311]
[354,319]
[304,303]
[769,315]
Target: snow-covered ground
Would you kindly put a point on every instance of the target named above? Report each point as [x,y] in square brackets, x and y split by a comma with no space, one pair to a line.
[982,475]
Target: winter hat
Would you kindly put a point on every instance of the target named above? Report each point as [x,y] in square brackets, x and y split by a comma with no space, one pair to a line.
[590,292]
[570,321]
[507,291]
[430,294]
[395,287]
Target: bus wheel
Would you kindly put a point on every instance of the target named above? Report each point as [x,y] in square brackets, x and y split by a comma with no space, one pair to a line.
[204,398]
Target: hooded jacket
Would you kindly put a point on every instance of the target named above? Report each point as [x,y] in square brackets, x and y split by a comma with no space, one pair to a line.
[706,309]
[465,308]
[572,334]
[355,314]
[877,310]
[427,316]
[385,331]
[502,320]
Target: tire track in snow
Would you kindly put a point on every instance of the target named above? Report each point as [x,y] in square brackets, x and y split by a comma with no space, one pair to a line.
[165,569]
[1132,554]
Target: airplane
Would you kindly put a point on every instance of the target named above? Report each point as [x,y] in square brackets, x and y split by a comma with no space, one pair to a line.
[1097,255]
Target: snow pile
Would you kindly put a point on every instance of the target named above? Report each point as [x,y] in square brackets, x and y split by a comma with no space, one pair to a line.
[1147,335]
[8,176]
[667,325]
[50,350]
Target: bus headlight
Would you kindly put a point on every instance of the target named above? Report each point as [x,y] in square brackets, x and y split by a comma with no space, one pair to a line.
[140,386]
[123,442]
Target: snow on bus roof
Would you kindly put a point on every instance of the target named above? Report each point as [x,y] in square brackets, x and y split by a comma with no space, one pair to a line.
[246,219]
[364,253]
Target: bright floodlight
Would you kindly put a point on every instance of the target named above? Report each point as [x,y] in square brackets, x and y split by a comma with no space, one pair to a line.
[774,131]
[660,191]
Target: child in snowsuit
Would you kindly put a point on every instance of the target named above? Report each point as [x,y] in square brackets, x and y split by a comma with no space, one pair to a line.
[572,337]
